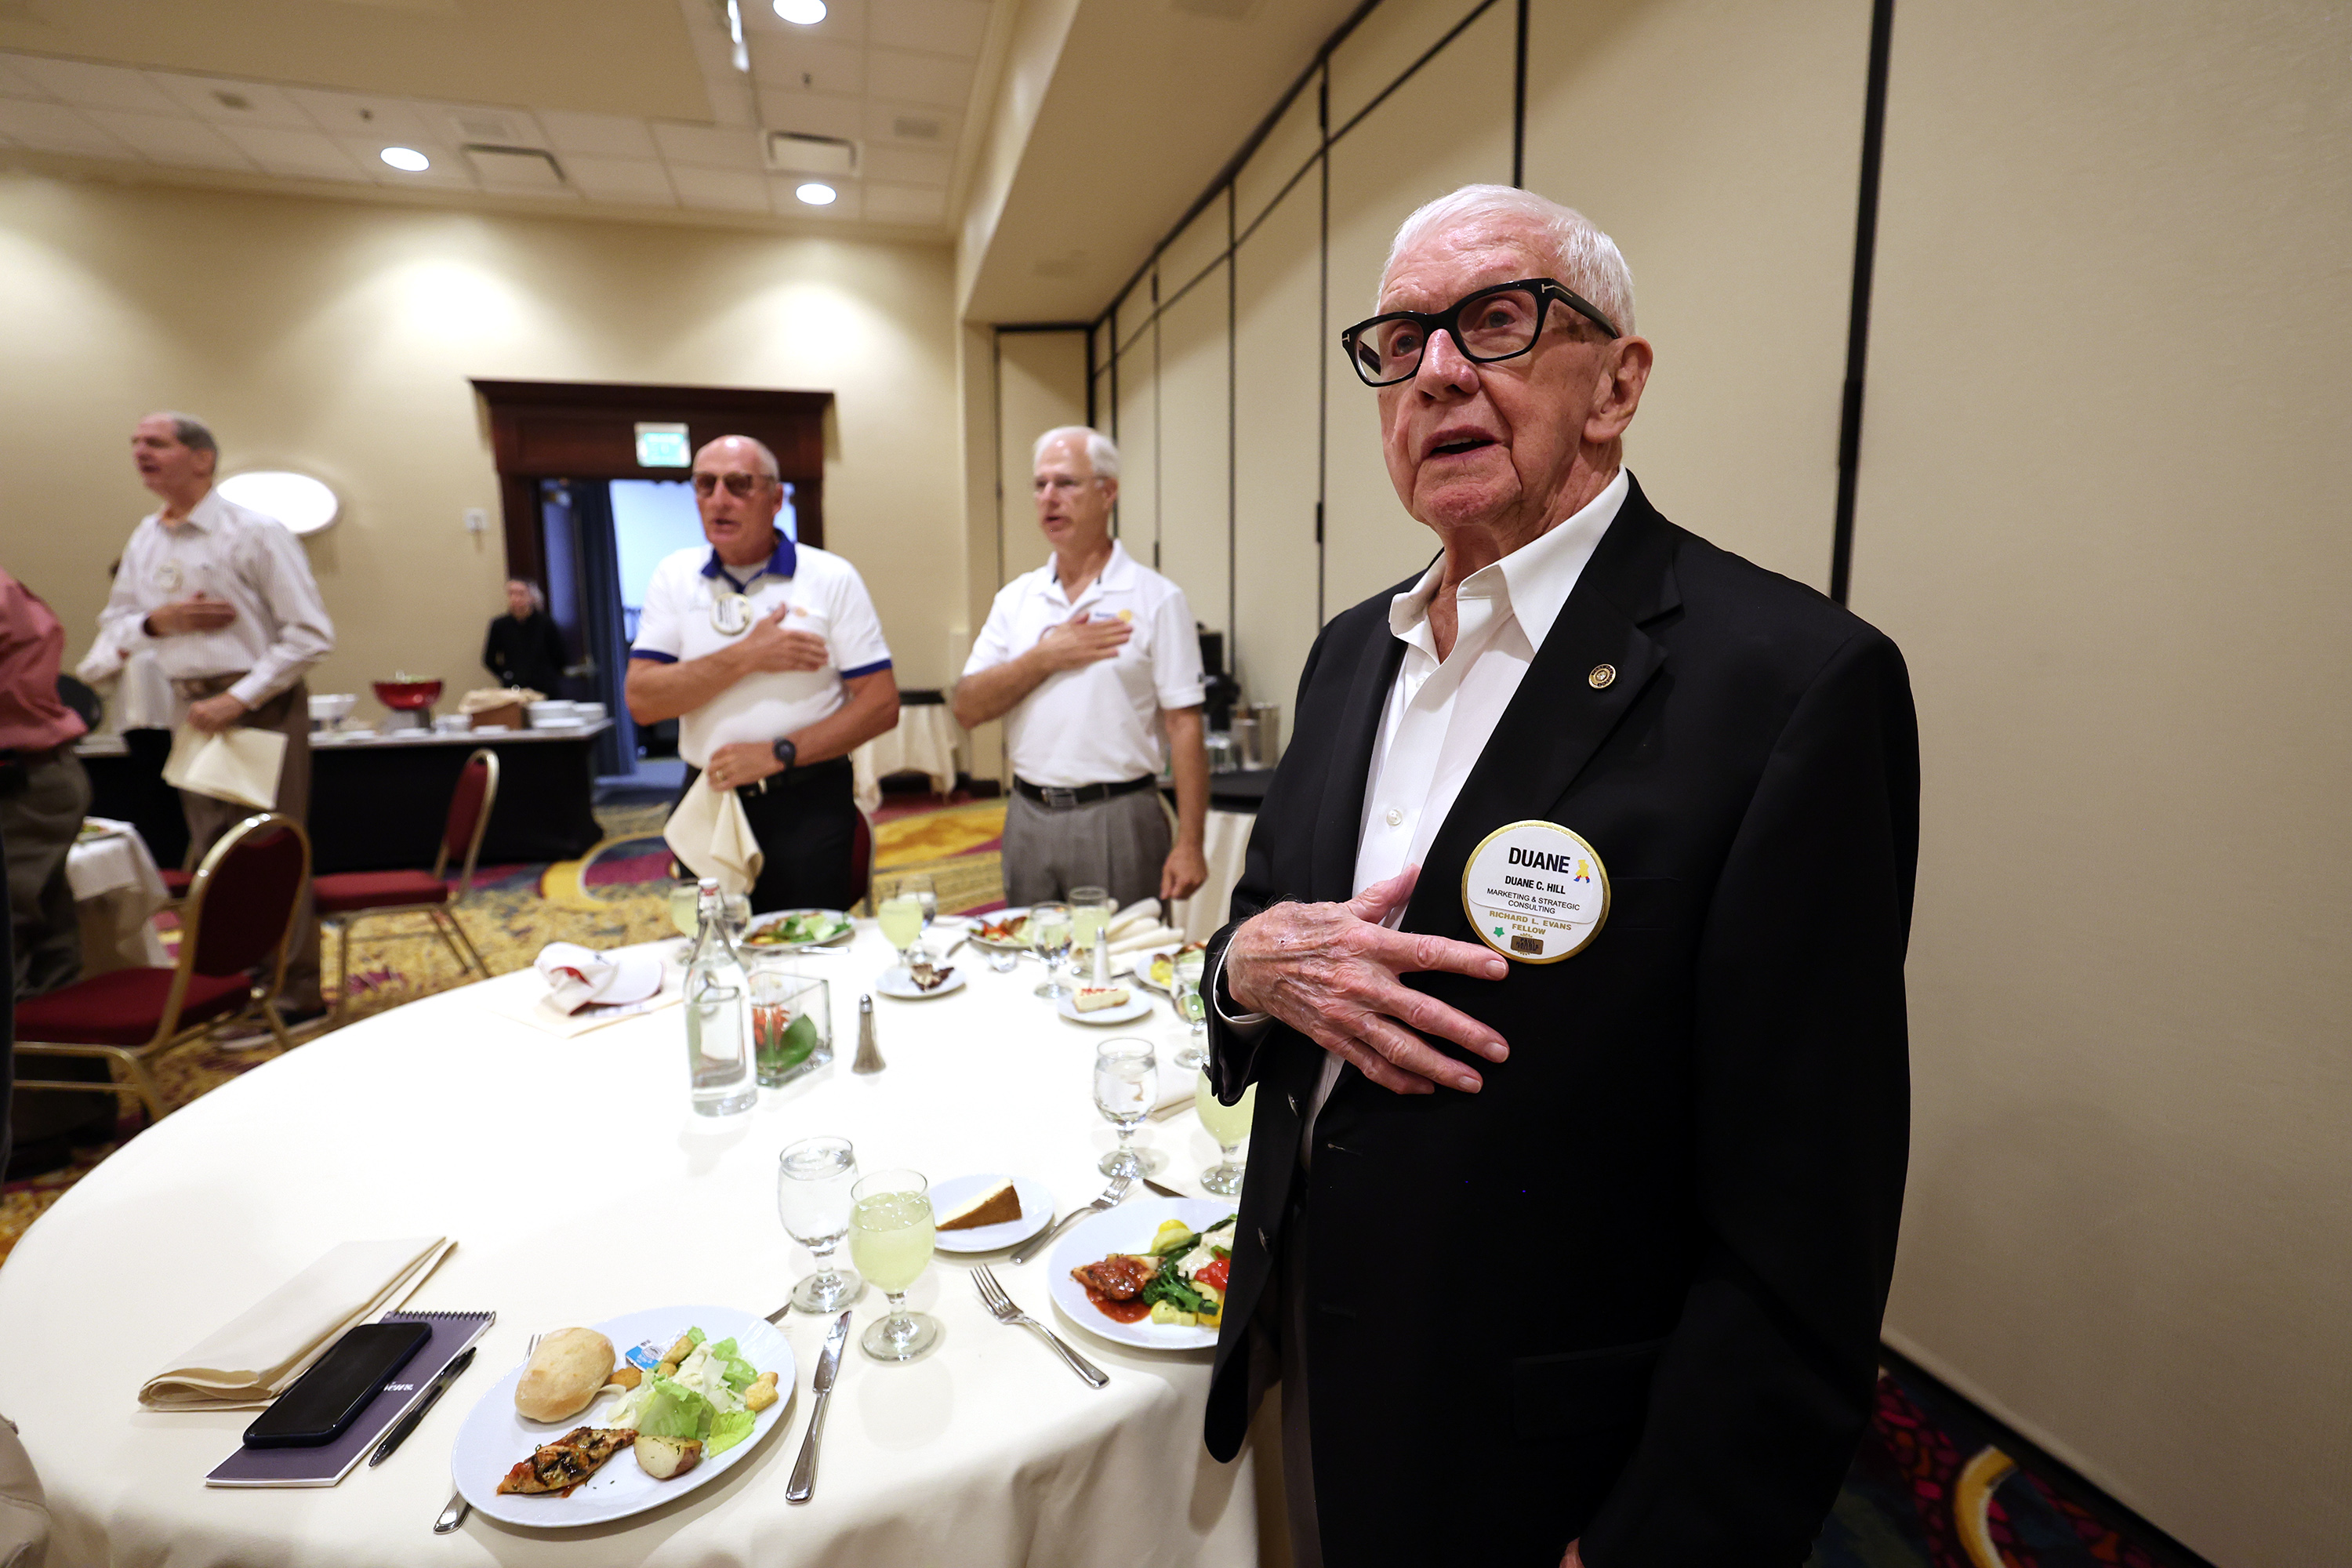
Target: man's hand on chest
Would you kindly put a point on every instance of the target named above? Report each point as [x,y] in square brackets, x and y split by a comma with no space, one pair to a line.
[1081,640]
[769,649]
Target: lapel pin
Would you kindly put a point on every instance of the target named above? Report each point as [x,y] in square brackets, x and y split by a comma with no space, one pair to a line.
[1603,674]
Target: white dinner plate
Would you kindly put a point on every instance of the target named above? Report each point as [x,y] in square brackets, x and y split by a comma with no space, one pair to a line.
[1036,1212]
[895,982]
[993,917]
[757,923]
[1135,1007]
[1128,1228]
[496,1436]
[1141,970]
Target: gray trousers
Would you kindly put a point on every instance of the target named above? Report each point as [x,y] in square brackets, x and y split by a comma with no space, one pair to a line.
[289,713]
[1119,844]
[38,823]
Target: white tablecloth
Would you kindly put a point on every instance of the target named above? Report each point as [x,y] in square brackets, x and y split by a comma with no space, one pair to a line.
[578,1186]
[1225,844]
[117,891]
[924,743]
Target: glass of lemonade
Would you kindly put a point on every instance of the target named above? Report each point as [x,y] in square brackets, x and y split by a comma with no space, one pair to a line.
[1230,1126]
[813,1178]
[918,885]
[1126,1084]
[1049,939]
[1090,911]
[890,1232]
[900,915]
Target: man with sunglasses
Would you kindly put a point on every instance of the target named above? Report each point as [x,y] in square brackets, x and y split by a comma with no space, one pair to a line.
[1568,962]
[770,655]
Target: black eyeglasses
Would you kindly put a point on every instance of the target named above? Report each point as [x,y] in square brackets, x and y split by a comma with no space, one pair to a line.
[1494,323]
[744,485]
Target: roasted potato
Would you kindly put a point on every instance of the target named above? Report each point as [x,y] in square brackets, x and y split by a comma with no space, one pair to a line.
[667,1458]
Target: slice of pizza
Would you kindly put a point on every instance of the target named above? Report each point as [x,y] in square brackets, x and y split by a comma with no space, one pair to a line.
[559,1465]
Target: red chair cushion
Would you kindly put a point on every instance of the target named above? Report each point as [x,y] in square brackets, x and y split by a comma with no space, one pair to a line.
[345,891]
[123,1007]
[176,882]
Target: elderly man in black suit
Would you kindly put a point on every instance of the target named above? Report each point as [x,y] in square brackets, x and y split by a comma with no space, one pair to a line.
[1574,1191]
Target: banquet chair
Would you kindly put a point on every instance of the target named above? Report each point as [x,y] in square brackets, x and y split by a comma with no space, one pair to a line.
[348,898]
[239,916]
[861,858]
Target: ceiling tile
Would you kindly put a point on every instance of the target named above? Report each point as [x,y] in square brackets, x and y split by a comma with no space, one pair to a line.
[393,120]
[910,124]
[519,172]
[909,166]
[708,146]
[844,204]
[307,155]
[721,190]
[95,87]
[446,171]
[605,135]
[181,140]
[54,128]
[919,78]
[226,102]
[941,27]
[640,181]
[845,21]
[816,113]
[807,65]
[905,203]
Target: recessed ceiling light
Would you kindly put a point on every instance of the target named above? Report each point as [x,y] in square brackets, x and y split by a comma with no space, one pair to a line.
[816,194]
[807,13]
[406,159]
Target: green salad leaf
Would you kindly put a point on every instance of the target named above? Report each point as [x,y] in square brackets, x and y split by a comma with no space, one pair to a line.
[673,1410]
[740,1374]
[727,1430]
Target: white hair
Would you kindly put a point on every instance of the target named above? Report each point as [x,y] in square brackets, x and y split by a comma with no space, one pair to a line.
[1101,454]
[1582,256]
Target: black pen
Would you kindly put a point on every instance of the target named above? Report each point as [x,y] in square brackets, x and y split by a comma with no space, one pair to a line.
[399,1434]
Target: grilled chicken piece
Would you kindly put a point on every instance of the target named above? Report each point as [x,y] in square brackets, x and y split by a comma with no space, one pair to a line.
[1121,1277]
[569,1460]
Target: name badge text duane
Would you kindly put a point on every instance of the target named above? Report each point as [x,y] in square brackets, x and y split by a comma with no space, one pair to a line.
[1535,892]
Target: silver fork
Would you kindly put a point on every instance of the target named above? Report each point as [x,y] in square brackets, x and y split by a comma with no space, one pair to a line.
[455,1514]
[993,1297]
[1109,1199]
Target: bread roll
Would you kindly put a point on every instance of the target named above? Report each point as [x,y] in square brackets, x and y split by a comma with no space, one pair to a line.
[563,1374]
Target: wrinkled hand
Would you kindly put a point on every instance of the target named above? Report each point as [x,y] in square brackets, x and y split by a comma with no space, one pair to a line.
[1329,971]
[215,714]
[199,612]
[745,761]
[768,648]
[1185,871]
[1081,641]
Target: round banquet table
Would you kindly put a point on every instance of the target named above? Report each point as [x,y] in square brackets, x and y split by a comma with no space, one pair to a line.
[579,1186]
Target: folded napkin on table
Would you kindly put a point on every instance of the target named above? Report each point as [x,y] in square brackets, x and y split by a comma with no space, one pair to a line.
[577,976]
[1157,936]
[1141,915]
[713,837]
[236,765]
[250,1361]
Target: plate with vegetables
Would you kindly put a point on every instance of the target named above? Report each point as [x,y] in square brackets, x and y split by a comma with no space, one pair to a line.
[689,1393]
[1150,1273]
[798,928]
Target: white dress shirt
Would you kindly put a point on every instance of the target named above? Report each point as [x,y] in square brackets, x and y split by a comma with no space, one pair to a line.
[231,553]
[1440,714]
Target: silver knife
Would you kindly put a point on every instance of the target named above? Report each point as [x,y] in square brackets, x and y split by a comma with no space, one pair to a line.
[1163,1190]
[828,1364]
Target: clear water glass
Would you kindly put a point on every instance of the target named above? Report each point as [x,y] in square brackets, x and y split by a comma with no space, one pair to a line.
[1049,939]
[1193,1007]
[891,1229]
[814,1178]
[1230,1126]
[1127,1083]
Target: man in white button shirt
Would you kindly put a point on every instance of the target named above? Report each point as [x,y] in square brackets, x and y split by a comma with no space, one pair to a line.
[1090,660]
[1655,1172]
[224,598]
[770,655]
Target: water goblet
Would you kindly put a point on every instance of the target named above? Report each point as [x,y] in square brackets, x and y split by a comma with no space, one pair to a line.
[1230,1126]
[813,1182]
[1125,1087]
[890,1232]
[1191,1007]
[1049,938]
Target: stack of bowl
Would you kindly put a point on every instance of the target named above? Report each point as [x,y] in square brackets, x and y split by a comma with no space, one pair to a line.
[553,714]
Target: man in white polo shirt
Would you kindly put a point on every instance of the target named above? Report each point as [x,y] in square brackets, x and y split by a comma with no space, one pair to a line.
[770,656]
[1088,660]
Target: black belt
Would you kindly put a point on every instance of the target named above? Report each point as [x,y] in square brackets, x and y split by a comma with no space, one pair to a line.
[1054,797]
[829,771]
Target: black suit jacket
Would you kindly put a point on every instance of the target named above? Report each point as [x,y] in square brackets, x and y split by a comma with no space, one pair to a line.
[1632,1290]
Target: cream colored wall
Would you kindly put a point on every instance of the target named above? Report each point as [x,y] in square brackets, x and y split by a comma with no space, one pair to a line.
[2103,509]
[1278,354]
[1040,383]
[337,338]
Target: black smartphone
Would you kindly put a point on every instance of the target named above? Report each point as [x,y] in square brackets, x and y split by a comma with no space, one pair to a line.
[324,1401]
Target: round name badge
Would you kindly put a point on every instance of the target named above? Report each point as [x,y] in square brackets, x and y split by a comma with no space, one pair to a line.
[1535,892]
[167,576]
[731,615]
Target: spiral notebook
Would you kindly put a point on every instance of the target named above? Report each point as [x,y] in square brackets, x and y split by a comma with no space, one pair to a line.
[331,1462]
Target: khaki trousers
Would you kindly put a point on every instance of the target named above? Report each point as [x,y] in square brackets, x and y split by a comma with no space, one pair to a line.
[38,821]
[289,713]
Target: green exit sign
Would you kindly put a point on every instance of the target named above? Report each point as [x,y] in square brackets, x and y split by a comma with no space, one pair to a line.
[663,446]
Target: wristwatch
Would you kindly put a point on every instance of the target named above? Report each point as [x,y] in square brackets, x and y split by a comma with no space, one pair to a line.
[786,753]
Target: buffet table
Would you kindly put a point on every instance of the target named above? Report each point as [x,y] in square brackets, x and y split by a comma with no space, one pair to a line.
[378,802]
[578,1186]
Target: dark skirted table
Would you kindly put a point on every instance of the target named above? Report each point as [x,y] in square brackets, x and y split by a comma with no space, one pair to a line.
[378,802]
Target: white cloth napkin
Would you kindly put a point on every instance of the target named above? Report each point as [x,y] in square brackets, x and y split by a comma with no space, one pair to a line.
[713,837]
[1141,915]
[237,765]
[1158,936]
[577,976]
[250,1361]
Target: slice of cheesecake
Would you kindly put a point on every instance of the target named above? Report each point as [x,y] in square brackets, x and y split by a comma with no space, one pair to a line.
[998,1206]
[1093,998]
